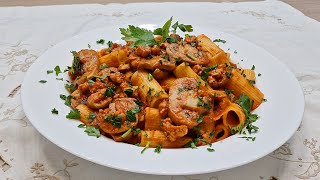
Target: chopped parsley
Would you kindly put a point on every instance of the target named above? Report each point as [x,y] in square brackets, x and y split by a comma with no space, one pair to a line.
[264,100]
[57,70]
[109,92]
[73,114]
[205,72]
[253,67]
[128,92]
[42,81]
[220,40]
[109,43]
[259,74]
[202,103]
[252,82]
[76,66]
[60,79]
[100,41]
[200,119]
[150,90]
[81,126]
[138,102]
[63,97]
[124,135]
[235,51]
[90,82]
[89,46]
[210,149]
[70,87]
[191,57]
[49,71]
[92,131]
[54,111]
[91,116]
[146,147]
[245,103]
[228,91]
[150,77]
[114,120]
[103,66]
[131,114]
[136,131]
[157,149]
[192,144]
[248,138]
[182,27]
[211,134]
[228,74]
[67,100]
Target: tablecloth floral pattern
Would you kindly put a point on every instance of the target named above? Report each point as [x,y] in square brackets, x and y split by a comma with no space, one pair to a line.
[26,32]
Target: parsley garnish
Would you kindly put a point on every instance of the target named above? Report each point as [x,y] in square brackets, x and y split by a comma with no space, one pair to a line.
[42,81]
[248,138]
[60,79]
[150,77]
[157,149]
[146,147]
[244,102]
[76,66]
[220,40]
[203,104]
[114,120]
[182,27]
[110,43]
[190,57]
[138,102]
[89,46]
[211,134]
[91,116]
[136,131]
[49,71]
[100,41]
[90,82]
[235,51]
[124,135]
[109,92]
[92,131]
[252,82]
[164,31]
[259,74]
[128,92]
[81,126]
[253,67]
[131,114]
[192,144]
[150,90]
[205,72]
[57,70]
[103,66]
[228,74]
[67,100]
[228,91]
[210,149]
[54,111]
[63,97]
[138,36]
[70,87]
[73,114]
[200,119]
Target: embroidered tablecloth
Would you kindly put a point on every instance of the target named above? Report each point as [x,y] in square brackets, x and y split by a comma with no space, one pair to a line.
[27,32]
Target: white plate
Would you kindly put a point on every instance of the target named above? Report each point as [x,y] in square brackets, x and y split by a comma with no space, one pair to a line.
[280,116]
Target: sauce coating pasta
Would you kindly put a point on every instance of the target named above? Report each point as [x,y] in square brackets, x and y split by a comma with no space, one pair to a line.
[176,92]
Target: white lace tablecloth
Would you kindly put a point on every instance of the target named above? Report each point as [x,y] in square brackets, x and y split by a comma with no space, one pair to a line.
[25,33]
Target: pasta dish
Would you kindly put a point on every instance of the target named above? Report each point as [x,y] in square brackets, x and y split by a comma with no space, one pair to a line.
[162,90]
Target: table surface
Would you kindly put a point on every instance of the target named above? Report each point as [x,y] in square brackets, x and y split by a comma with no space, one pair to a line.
[310,8]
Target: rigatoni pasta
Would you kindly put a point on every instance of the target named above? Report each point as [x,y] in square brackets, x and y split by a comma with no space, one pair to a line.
[162,91]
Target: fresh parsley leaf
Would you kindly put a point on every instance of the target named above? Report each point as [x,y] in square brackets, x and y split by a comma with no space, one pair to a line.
[42,81]
[205,72]
[70,87]
[73,114]
[157,149]
[49,71]
[228,91]
[60,79]
[92,131]
[164,31]
[150,91]
[63,97]
[210,149]
[109,92]
[220,40]
[100,41]
[192,144]
[244,102]
[146,147]
[150,77]
[182,27]
[57,70]
[103,66]
[139,36]
[54,111]
[114,120]
[138,102]
[131,114]
[136,131]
